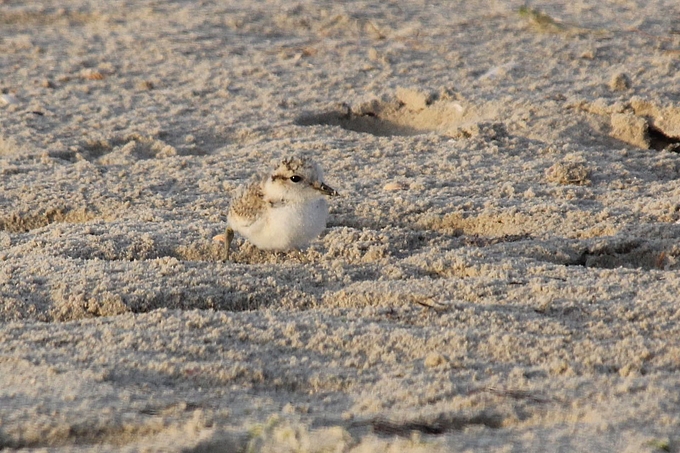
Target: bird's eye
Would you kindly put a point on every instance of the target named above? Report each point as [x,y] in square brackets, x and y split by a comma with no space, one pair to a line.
[296,178]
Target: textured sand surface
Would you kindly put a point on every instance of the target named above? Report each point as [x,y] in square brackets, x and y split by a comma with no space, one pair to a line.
[501,272]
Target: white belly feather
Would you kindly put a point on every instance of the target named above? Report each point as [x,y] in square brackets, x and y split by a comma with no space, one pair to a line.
[286,227]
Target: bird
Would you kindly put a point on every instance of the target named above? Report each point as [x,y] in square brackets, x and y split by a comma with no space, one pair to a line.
[282,210]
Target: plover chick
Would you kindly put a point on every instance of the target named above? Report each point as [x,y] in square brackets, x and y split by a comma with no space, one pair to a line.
[283,210]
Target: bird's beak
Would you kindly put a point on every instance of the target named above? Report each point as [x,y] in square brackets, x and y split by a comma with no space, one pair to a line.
[324,189]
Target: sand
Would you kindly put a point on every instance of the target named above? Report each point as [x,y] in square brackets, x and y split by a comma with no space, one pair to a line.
[500,273]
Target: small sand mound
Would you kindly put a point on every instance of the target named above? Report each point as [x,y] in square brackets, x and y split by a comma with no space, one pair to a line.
[411,112]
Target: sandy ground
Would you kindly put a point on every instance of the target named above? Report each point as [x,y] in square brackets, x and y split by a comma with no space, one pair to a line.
[501,272]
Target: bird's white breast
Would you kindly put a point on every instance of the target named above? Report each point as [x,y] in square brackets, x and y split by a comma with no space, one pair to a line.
[287,226]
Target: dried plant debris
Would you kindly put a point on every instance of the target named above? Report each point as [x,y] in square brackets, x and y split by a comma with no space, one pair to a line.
[542,21]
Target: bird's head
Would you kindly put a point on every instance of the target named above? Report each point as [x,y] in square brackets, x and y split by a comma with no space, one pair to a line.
[297,179]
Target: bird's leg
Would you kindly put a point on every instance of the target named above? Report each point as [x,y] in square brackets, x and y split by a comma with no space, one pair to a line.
[228,237]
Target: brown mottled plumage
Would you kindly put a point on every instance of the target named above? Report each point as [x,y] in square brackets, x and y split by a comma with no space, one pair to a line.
[249,202]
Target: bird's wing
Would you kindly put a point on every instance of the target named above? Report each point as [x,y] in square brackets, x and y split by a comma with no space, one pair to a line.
[248,203]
